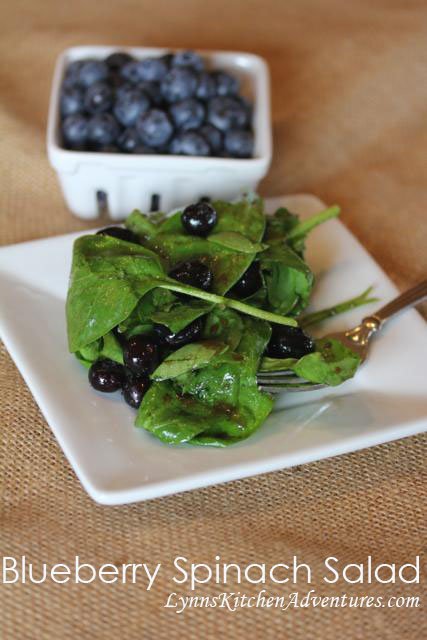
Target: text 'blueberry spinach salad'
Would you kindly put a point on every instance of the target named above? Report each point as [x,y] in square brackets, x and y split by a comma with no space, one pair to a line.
[181,312]
[170,104]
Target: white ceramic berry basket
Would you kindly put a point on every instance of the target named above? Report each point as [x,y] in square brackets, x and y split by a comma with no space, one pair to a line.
[122,182]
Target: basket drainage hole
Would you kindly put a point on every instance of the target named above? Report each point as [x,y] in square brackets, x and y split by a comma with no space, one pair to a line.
[155,202]
[102,202]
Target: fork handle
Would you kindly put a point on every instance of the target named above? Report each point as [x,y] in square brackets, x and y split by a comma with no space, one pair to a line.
[406,300]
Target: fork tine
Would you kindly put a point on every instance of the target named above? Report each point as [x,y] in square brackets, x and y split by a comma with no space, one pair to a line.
[279,380]
[297,386]
[276,374]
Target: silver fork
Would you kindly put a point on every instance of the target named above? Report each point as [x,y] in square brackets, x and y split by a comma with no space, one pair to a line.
[357,339]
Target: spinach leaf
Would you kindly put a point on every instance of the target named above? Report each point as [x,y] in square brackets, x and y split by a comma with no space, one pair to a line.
[219,404]
[141,225]
[285,226]
[277,364]
[111,348]
[297,235]
[189,358]
[332,363]
[157,302]
[174,418]
[108,278]
[280,224]
[236,242]
[178,315]
[106,347]
[224,325]
[90,352]
[289,280]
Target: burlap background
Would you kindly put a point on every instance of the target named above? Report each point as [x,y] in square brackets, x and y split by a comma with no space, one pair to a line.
[349,104]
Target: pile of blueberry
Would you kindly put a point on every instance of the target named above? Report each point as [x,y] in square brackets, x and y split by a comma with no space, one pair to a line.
[164,105]
[143,353]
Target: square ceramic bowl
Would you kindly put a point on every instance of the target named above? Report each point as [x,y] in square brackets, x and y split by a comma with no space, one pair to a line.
[126,182]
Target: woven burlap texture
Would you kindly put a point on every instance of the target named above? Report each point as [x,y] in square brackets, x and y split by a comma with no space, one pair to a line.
[349,107]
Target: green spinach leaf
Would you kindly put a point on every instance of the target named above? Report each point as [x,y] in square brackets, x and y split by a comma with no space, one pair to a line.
[288,278]
[218,404]
[236,242]
[299,232]
[332,363]
[189,358]
[141,225]
[106,347]
[180,314]
[224,325]
[108,278]
[280,224]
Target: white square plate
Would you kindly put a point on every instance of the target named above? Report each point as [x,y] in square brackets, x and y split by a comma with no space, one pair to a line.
[117,463]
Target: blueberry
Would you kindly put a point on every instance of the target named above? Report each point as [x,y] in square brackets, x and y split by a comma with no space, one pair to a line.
[213,136]
[189,143]
[141,354]
[152,91]
[128,140]
[194,273]
[106,375]
[98,98]
[75,129]
[124,89]
[116,60]
[206,86]
[129,106]
[188,59]
[289,342]
[199,219]
[152,69]
[239,143]
[92,71]
[116,81]
[190,333]
[249,283]
[71,101]
[134,389]
[225,113]
[226,84]
[120,233]
[187,114]
[72,73]
[167,59]
[247,105]
[129,71]
[154,128]
[178,84]
[102,129]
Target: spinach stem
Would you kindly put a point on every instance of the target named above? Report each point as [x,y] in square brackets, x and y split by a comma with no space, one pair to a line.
[229,302]
[304,227]
[342,307]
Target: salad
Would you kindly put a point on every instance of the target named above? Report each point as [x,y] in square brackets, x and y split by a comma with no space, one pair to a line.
[181,312]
